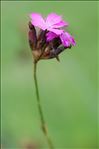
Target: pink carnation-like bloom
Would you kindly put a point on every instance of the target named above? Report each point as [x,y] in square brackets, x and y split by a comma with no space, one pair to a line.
[65,38]
[50,40]
[52,23]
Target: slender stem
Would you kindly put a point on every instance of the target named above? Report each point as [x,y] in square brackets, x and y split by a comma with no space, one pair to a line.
[43,124]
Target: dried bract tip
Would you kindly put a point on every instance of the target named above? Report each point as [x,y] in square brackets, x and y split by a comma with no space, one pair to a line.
[32,36]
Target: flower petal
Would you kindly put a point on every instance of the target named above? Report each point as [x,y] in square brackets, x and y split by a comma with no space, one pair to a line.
[70,38]
[37,20]
[64,40]
[50,36]
[67,39]
[53,19]
[56,31]
[60,24]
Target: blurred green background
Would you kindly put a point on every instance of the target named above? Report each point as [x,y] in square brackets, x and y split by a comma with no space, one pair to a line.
[68,89]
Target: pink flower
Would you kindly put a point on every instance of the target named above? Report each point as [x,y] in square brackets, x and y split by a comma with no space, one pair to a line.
[50,40]
[52,23]
[65,38]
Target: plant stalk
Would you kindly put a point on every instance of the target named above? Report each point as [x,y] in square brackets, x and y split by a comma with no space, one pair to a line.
[43,124]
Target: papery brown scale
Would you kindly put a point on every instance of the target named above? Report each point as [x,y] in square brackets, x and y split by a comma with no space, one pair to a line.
[32,36]
[41,39]
[46,53]
[56,52]
[56,42]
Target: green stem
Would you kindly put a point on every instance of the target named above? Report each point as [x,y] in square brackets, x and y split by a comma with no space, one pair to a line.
[43,124]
